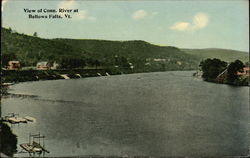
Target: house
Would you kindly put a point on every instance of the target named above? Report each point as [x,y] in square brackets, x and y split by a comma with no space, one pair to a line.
[159,60]
[55,66]
[44,65]
[245,71]
[221,77]
[178,62]
[14,65]
[3,155]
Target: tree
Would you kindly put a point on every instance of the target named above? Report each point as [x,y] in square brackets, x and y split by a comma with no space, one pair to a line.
[8,141]
[69,62]
[7,57]
[247,63]
[233,69]
[212,68]
[10,30]
[35,34]
[121,61]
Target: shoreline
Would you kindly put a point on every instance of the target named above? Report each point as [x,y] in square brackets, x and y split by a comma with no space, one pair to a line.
[55,75]
[198,74]
[76,74]
[10,77]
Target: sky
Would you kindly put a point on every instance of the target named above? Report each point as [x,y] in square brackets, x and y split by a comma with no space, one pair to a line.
[184,24]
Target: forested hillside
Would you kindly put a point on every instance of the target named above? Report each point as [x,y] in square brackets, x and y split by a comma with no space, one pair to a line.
[138,55]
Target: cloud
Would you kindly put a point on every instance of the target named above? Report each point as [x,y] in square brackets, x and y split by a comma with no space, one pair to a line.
[4,2]
[180,26]
[200,20]
[72,4]
[139,14]
[68,4]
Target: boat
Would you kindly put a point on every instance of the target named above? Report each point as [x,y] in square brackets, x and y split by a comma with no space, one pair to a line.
[34,147]
[30,119]
[7,84]
[15,120]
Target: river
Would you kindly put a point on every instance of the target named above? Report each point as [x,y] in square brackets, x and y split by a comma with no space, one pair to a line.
[157,114]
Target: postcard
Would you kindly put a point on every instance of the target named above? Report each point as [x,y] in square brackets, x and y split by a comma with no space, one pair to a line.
[125,78]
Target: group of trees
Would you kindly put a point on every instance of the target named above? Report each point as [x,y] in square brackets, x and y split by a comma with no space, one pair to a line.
[8,141]
[233,69]
[5,58]
[71,62]
[72,53]
[213,68]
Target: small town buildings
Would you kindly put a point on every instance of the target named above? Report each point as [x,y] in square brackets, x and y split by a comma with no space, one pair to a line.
[159,60]
[245,71]
[44,65]
[14,65]
[222,76]
[156,59]
[178,62]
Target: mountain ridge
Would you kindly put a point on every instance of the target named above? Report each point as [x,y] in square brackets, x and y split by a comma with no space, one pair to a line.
[143,55]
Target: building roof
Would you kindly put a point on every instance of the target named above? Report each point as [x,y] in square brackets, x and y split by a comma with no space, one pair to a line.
[3,155]
[42,63]
[14,61]
[246,68]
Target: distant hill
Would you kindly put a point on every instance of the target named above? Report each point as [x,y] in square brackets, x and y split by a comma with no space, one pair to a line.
[223,54]
[138,55]
[29,49]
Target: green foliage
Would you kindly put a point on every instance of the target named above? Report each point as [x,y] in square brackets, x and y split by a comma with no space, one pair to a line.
[29,50]
[212,68]
[7,57]
[121,61]
[71,62]
[121,53]
[247,63]
[233,68]
[216,70]
[8,141]
[35,34]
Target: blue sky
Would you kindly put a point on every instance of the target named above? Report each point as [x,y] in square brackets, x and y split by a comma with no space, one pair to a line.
[185,24]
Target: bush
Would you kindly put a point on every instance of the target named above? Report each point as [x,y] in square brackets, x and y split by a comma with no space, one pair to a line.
[8,141]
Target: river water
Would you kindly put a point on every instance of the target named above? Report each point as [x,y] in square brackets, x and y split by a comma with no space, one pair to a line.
[156,114]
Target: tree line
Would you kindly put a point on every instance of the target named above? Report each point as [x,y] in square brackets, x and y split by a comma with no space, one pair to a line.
[216,70]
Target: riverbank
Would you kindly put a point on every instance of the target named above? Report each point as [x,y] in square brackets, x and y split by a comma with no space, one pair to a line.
[10,77]
[242,81]
[14,76]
